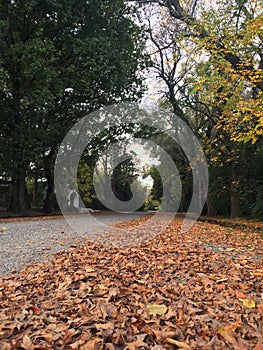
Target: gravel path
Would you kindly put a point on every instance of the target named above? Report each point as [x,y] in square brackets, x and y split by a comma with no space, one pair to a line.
[23,242]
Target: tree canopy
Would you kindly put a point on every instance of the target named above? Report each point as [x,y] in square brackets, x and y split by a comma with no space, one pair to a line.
[58,61]
[208,62]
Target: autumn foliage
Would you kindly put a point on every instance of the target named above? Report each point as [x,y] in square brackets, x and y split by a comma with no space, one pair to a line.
[197,290]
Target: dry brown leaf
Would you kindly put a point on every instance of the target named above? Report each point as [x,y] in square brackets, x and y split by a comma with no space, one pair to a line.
[58,328]
[107,325]
[136,345]
[92,294]
[108,310]
[260,308]
[5,346]
[113,292]
[179,344]
[7,328]
[257,272]
[90,344]
[240,294]
[160,335]
[233,326]
[35,309]
[27,343]
[227,333]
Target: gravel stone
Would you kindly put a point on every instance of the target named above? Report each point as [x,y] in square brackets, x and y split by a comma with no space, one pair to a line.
[24,242]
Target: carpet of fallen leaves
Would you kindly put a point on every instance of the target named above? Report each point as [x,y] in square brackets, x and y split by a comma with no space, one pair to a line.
[201,289]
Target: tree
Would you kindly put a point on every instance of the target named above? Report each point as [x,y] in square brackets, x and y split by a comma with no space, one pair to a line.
[170,67]
[231,96]
[232,32]
[59,60]
[221,94]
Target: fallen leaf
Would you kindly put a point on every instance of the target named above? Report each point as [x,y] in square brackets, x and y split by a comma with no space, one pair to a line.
[257,273]
[157,309]
[136,345]
[90,344]
[260,308]
[90,297]
[240,295]
[108,310]
[249,303]
[227,333]
[140,281]
[179,344]
[221,280]
[27,343]
[35,309]
[58,328]
[107,325]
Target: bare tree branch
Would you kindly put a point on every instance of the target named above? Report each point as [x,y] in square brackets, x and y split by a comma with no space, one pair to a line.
[177,12]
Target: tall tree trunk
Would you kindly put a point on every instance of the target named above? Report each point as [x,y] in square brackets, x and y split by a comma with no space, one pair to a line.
[35,189]
[234,195]
[13,206]
[19,201]
[183,202]
[48,206]
[211,208]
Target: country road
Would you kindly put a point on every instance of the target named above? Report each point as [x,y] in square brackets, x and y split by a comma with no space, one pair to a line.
[24,241]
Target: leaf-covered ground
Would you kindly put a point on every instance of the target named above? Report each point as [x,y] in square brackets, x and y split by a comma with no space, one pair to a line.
[197,290]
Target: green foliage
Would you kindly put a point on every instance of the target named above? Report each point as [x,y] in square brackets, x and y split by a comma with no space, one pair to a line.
[36,191]
[122,178]
[58,61]
[219,195]
[257,207]
[85,182]
[157,189]
[169,179]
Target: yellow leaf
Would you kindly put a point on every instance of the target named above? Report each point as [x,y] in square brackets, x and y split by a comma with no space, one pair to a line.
[89,269]
[140,281]
[223,330]
[157,309]
[249,303]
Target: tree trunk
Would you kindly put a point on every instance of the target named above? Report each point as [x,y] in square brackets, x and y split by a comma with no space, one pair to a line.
[13,206]
[35,190]
[48,206]
[234,195]
[211,208]
[19,201]
[235,205]
[183,202]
